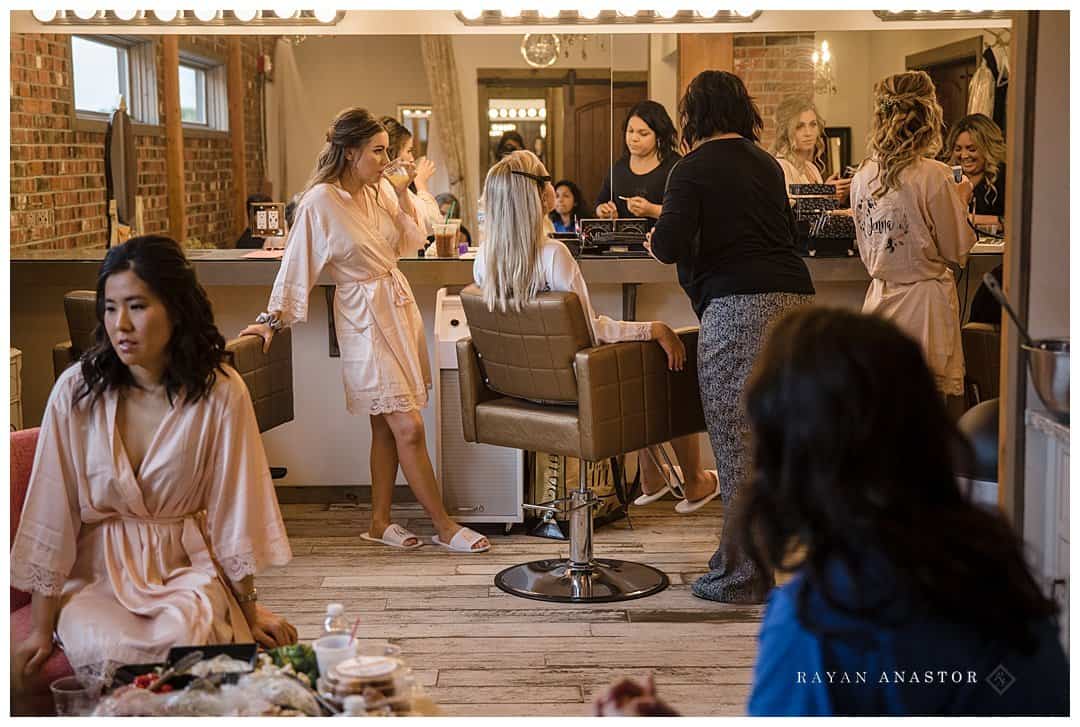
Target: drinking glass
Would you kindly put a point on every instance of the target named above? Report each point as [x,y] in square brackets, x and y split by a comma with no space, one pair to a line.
[71,698]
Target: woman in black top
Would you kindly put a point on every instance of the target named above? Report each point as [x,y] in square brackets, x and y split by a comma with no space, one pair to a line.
[640,175]
[727,223]
[976,144]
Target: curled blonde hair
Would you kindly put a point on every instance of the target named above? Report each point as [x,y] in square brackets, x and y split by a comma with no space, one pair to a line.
[514,231]
[787,118]
[988,139]
[906,127]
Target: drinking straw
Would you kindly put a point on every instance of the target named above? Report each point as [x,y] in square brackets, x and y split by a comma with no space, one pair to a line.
[450,211]
[352,634]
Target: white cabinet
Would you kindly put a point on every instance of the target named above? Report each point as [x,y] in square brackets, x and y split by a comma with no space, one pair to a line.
[1047,483]
[16,389]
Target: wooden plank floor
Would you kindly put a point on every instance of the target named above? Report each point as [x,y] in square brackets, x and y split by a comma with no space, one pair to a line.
[478,651]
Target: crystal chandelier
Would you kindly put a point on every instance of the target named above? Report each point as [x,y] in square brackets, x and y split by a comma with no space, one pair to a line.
[824,81]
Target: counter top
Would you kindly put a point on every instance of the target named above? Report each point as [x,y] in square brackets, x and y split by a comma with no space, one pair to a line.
[230,267]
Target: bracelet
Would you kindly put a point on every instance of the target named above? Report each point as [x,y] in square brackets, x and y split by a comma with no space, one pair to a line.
[271,320]
[249,597]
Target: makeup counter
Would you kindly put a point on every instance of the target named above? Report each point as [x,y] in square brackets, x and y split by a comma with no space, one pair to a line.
[324,445]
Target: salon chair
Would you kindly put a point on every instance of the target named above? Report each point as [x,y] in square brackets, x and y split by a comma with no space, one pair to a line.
[268,376]
[531,379]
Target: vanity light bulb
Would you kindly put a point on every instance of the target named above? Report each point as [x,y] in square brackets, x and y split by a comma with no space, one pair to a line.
[708,11]
[245,15]
[493,113]
[745,13]
[205,14]
[44,15]
[590,12]
[166,14]
[472,11]
[629,10]
[85,13]
[125,14]
[550,12]
[543,113]
[532,113]
[503,113]
[326,15]
[510,10]
[285,12]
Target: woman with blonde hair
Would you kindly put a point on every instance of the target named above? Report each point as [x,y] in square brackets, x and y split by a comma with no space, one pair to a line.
[911,224]
[518,261]
[348,226]
[799,145]
[977,145]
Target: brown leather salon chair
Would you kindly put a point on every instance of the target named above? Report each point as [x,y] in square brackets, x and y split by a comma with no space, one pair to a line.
[981,343]
[268,375]
[533,380]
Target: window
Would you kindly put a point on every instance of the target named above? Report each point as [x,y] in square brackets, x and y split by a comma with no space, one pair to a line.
[192,94]
[204,99]
[106,67]
[101,75]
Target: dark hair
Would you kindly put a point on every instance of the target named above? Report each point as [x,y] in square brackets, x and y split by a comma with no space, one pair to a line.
[503,147]
[656,118]
[256,198]
[716,102]
[853,459]
[196,349]
[579,211]
[398,134]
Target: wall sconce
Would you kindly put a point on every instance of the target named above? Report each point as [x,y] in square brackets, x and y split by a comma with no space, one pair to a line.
[824,81]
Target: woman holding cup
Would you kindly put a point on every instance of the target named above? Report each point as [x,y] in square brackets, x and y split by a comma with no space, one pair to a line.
[348,226]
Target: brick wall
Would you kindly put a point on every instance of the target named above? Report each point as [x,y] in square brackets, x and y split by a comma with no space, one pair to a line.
[774,65]
[59,169]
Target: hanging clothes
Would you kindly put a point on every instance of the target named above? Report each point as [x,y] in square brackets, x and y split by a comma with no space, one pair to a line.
[981,91]
[996,59]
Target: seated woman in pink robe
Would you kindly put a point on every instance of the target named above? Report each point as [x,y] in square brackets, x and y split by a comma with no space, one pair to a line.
[150,507]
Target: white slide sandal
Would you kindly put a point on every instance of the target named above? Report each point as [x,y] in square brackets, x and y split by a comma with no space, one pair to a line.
[395,536]
[463,541]
[686,506]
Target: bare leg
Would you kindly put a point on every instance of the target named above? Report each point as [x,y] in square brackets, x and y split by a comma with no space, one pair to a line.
[408,431]
[384,467]
[688,453]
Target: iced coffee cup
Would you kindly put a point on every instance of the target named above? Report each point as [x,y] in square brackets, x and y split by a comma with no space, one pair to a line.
[446,238]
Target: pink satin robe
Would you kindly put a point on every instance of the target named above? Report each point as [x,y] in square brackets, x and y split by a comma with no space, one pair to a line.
[140,560]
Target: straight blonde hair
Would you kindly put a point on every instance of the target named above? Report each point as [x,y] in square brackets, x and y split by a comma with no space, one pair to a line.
[906,127]
[787,118]
[514,231]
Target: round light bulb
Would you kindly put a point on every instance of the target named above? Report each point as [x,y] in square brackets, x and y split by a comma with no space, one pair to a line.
[591,11]
[503,113]
[550,12]
[206,14]
[85,13]
[667,11]
[745,13]
[472,11]
[125,14]
[532,113]
[285,12]
[628,10]
[510,10]
[44,15]
[326,15]
[165,14]
[493,113]
[708,11]
[543,113]
[245,15]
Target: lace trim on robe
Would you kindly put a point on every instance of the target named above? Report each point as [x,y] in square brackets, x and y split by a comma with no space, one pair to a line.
[292,301]
[239,566]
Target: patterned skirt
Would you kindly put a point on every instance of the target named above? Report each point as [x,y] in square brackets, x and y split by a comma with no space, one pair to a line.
[733,330]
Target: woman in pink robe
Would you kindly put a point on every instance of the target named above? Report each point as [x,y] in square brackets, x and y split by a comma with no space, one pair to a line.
[150,505]
[352,223]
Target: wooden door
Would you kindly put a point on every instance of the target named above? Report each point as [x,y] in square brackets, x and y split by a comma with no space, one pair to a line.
[951,68]
[591,143]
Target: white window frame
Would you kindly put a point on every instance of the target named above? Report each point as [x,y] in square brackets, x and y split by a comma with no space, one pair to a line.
[138,78]
[215,92]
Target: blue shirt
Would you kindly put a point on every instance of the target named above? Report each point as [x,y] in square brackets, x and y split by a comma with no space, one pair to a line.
[899,664]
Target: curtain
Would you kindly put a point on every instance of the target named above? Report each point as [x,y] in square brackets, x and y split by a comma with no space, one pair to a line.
[438,57]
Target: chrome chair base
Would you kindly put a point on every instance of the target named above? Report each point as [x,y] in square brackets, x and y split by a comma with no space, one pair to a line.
[601,581]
